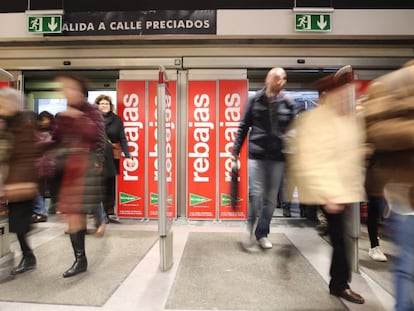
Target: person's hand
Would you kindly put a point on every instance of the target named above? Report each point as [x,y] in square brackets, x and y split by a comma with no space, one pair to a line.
[234,158]
[129,162]
[333,208]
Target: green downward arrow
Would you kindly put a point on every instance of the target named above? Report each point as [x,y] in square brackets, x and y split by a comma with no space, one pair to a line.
[197,199]
[126,198]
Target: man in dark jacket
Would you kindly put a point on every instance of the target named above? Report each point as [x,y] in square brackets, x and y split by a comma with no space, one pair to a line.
[266,118]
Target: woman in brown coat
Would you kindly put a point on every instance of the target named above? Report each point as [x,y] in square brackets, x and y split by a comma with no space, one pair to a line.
[79,131]
[20,186]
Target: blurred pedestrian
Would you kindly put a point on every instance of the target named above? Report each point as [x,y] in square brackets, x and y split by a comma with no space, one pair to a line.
[80,131]
[44,127]
[389,115]
[5,148]
[20,186]
[49,186]
[265,120]
[375,208]
[115,135]
[330,167]
[400,197]
[290,186]
[375,203]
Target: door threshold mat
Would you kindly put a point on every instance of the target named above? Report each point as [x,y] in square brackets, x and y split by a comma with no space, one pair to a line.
[216,274]
[110,260]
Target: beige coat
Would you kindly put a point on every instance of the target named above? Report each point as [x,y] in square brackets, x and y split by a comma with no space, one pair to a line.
[327,157]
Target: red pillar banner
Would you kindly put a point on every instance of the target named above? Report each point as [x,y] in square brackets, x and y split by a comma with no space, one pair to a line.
[131,181]
[201,153]
[204,115]
[6,84]
[152,182]
[232,99]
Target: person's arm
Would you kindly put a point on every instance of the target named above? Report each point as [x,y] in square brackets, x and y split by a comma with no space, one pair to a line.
[122,139]
[124,143]
[243,129]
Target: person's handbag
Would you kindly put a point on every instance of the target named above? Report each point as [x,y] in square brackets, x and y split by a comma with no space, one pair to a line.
[21,191]
[51,162]
[116,150]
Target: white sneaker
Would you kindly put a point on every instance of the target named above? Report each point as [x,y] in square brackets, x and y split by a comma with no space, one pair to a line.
[265,243]
[376,254]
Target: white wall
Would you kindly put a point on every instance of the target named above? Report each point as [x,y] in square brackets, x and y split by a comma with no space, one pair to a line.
[14,25]
[344,22]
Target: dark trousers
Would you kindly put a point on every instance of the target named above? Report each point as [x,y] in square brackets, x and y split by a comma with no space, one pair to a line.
[53,185]
[339,271]
[374,209]
[109,194]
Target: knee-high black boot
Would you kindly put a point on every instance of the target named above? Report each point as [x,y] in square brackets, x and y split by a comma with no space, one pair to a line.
[80,264]
[28,261]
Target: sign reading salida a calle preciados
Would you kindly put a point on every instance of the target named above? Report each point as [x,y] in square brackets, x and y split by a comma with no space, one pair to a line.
[139,23]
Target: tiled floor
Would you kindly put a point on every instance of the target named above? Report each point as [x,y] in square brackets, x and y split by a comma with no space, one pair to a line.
[134,293]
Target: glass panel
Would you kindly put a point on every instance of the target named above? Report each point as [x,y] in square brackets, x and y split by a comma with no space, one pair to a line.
[52,105]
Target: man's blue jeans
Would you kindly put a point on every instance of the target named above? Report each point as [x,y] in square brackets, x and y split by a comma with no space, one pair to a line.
[265,177]
[39,207]
[402,227]
[99,214]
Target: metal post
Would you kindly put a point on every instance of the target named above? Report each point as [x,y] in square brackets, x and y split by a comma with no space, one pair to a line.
[164,224]
[353,218]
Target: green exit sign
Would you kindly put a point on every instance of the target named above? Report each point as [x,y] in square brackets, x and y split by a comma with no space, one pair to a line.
[313,22]
[44,24]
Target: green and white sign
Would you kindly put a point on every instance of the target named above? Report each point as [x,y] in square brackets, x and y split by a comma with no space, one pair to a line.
[127,198]
[320,22]
[196,199]
[44,24]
